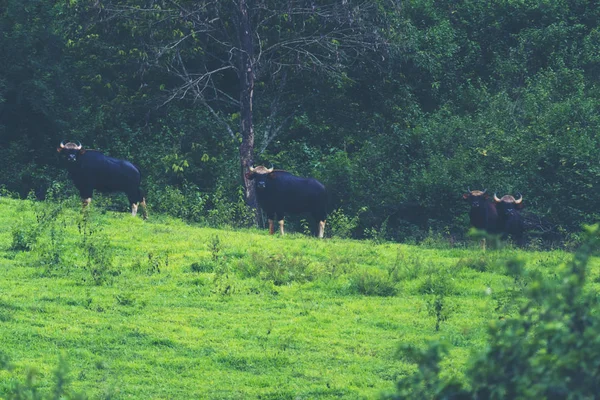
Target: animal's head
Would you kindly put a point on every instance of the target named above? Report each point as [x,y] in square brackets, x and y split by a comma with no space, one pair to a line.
[70,151]
[508,205]
[261,175]
[476,198]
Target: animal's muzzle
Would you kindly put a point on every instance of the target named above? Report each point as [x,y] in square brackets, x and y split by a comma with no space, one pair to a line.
[260,185]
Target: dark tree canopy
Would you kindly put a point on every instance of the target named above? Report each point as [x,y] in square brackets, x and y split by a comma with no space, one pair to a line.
[397,107]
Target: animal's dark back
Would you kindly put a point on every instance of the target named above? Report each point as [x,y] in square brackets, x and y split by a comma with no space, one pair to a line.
[293,193]
[108,173]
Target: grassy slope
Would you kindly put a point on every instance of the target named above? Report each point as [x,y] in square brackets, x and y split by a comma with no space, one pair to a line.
[233,333]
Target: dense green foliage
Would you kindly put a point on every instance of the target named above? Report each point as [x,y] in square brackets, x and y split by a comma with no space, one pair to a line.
[549,350]
[160,308]
[503,95]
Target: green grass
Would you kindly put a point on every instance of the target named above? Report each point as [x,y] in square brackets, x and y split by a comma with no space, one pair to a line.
[162,309]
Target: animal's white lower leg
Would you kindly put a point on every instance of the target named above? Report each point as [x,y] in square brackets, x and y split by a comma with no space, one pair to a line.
[281,227]
[321,228]
[134,208]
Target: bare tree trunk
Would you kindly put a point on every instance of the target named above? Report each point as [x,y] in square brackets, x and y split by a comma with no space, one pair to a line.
[246,98]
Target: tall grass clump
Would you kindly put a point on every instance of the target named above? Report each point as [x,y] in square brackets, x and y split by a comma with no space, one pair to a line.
[550,349]
[374,282]
[29,389]
[98,253]
[26,234]
[277,268]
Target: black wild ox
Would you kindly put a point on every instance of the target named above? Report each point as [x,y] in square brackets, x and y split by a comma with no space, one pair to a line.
[510,221]
[90,169]
[279,192]
[483,213]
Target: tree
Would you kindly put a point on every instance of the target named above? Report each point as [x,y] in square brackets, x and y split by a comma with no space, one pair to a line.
[218,53]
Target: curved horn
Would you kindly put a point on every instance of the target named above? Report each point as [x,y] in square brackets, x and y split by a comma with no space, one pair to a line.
[469,189]
[484,190]
[269,170]
[251,168]
[79,146]
[496,199]
[520,199]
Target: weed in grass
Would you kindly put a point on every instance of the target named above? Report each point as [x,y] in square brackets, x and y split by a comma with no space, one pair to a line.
[202,266]
[153,263]
[338,266]
[224,283]
[479,264]
[30,389]
[25,235]
[340,225]
[97,250]
[511,299]
[51,253]
[373,282]
[279,269]
[380,235]
[438,240]
[125,299]
[407,267]
[438,283]
[215,248]
[439,308]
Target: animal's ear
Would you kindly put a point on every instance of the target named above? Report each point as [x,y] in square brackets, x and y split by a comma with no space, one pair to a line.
[520,205]
[271,175]
[466,196]
[249,175]
[59,149]
[82,151]
[486,196]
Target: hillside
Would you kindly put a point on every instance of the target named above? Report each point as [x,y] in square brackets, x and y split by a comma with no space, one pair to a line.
[163,309]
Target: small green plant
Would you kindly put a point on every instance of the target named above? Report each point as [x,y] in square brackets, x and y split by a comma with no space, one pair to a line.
[97,249]
[153,263]
[215,248]
[340,225]
[29,389]
[437,283]
[51,254]
[277,268]
[374,282]
[202,266]
[439,308]
[25,235]
[226,212]
[380,235]
[479,264]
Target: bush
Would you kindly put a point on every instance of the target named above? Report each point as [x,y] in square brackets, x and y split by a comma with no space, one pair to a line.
[340,225]
[279,269]
[374,282]
[549,350]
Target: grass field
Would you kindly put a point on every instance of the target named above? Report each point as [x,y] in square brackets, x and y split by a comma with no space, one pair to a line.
[162,309]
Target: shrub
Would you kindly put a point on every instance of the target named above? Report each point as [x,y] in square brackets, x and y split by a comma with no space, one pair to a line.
[373,282]
[279,269]
[97,249]
[340,225]
[549,350]
[29,389]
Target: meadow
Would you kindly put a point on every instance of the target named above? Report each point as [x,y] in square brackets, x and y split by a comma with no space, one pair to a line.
[164,309]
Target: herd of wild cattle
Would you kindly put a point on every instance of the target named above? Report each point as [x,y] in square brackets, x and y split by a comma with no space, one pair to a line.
[277,192]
